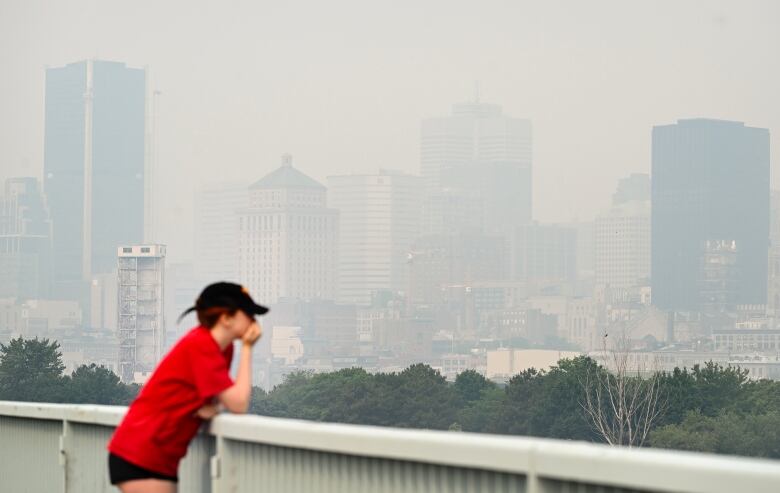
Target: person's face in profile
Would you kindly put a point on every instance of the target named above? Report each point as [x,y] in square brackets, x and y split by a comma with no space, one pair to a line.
[237,324]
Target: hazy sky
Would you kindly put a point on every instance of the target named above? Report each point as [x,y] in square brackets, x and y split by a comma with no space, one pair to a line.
[343,85]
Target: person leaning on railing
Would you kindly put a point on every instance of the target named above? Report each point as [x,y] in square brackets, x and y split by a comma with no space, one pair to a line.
[189,385]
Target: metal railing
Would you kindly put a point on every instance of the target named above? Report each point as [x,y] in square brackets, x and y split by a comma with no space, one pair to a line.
[61,448]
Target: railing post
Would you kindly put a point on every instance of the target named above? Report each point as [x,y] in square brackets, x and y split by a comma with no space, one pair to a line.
[65,449]
[533,483]
[223,466]
[216,464]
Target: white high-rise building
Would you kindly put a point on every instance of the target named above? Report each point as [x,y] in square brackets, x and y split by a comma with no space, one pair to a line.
[141,281]
[379,218]
[287,238]
[623,245]
[479,151]
[216,230]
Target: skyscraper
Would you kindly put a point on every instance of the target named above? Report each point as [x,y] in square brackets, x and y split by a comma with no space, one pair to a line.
[479,151]
[437,261]
[287,238]
[216,230]
[25,241]
[623,235]
[94,154]
[774,218]
[543,252]
[773,286]
[634,187]
[379,218]
[710,185]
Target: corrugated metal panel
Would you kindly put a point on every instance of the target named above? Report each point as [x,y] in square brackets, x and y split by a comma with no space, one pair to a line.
[249,467]
[194,470]
[554,486]
[88,466]
[87,458]
[29,455]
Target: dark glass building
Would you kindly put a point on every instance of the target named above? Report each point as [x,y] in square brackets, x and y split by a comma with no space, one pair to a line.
[94,154]
[710,185]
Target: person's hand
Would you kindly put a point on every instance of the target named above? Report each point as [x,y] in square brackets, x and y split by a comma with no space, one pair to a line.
[207,412]
[252,334]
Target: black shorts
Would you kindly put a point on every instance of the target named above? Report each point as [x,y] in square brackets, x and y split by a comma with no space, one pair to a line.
[119,470]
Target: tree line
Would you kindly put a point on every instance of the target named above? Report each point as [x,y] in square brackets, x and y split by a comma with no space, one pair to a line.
[32,370]
[708,408]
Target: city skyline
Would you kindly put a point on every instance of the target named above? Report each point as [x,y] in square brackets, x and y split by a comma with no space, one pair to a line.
[384,224]
[459,134]
[592,100]
[377,262]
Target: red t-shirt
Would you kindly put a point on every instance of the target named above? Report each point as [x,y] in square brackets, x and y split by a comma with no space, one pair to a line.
[161,422]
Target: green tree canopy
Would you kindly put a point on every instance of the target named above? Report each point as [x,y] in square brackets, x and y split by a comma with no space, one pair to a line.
[31,370]
[93,384]
[548,404]
[708,390]
[416,397]
[709,408]
[727,433]
[469,385]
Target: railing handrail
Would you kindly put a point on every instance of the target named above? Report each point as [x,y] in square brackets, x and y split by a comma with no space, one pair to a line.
[650,469]
[76,413]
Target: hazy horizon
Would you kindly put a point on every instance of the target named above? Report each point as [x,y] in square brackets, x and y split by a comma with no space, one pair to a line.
[343,87]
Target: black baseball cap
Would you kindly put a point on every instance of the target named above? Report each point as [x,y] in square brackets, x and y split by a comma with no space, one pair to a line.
[228,295]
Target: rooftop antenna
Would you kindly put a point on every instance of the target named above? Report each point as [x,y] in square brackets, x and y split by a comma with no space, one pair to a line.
[476,91]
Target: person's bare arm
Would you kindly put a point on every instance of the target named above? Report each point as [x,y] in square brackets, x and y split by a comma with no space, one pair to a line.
[236,398]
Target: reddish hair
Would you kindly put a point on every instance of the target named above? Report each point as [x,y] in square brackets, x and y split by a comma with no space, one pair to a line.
[208,317]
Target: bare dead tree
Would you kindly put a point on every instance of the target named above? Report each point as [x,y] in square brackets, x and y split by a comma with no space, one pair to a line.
[620,402]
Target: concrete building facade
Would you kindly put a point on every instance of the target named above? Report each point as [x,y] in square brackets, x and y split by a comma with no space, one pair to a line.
[478,152]
[623,245]
[39,318]
[141,324]
[379,219]
[217,207]
[543,252]
[288,238]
